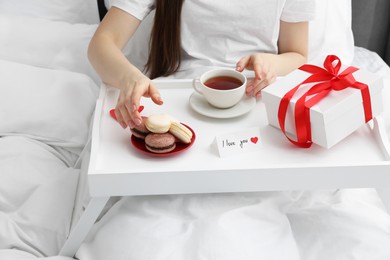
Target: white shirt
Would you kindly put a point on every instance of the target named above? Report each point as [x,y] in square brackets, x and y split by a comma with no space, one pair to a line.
[218,33]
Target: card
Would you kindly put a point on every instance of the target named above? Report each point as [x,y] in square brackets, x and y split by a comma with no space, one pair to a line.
[234,143]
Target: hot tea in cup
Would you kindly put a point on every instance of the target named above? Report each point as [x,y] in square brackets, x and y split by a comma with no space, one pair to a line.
[222,88]
[223,83]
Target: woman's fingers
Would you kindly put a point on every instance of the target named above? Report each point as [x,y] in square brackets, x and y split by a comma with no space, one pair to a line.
[121,110]
[155,94]
[119,118]
[264,75]
[127,109]
[243,63]
[133,104]
[256,85]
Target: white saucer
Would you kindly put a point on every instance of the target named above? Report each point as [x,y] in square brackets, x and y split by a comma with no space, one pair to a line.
[200,105]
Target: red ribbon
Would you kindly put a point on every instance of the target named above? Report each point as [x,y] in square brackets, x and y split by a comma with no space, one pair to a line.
[327,79]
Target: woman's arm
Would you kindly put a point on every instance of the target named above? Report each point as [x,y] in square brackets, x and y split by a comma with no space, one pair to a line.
[292,53]
[105,48]
[293,46]
[105,55]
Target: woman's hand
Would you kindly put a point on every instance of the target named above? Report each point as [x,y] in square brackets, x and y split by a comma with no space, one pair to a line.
[106,56]
[126,110]
[264,68]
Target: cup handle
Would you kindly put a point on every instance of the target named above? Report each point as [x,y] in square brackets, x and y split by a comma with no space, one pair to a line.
[195,85]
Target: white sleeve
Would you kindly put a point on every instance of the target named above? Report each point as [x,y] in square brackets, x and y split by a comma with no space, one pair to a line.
[299,10]
[138,8]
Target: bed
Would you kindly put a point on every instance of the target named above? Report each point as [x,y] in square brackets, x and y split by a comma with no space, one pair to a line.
[47,97]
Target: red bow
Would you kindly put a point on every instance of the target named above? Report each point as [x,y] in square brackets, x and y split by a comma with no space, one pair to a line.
[328,79]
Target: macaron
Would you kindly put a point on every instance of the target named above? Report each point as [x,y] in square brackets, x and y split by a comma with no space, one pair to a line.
[140,131]
[160,143]
[181,132]
[158,123]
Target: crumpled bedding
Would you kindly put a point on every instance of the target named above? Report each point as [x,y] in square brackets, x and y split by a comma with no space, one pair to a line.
[340,224]
[37,193]
[46,106]
[14,254]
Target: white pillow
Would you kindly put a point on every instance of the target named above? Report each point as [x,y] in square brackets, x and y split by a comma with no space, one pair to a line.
[331,31]
[52,106]
[72,11]
[44,43]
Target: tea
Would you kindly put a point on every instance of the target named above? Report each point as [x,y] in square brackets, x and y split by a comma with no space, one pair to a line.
[223,83]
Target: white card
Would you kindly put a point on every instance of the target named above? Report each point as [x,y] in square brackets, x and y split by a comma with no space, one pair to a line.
[248,140]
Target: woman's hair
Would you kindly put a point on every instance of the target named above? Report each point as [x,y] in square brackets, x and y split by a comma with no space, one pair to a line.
[165,48]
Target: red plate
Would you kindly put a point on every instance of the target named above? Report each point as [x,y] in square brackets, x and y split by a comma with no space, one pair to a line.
[180,147]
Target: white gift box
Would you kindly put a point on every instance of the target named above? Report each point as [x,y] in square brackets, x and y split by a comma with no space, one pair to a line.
[333,118]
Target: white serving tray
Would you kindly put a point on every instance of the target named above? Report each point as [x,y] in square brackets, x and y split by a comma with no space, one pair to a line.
[118,169]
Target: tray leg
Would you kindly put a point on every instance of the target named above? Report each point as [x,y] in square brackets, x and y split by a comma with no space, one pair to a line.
[384,194]
[83,226]
[381,136]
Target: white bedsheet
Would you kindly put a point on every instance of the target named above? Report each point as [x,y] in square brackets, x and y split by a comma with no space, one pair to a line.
[372,62]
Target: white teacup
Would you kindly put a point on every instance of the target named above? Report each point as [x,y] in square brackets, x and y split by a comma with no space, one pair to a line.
[222,88]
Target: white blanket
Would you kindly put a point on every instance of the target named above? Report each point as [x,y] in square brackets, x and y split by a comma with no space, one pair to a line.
[320,225]
[45,116]
[47,96]
[37,193]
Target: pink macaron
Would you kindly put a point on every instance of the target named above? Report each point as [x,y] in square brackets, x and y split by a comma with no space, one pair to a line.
[160,143]
[140,131]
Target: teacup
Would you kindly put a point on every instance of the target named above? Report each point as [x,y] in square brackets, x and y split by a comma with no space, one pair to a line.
[222,88]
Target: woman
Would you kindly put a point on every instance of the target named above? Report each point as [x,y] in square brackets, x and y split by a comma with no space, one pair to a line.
[268,37]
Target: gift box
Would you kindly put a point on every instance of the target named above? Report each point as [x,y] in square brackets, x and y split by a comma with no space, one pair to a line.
[323,105]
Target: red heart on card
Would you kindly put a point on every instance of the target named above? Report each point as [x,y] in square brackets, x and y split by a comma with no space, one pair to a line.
[112,111]
[254,140]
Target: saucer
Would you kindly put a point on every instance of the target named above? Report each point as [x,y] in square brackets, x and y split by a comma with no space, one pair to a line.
[200,105]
